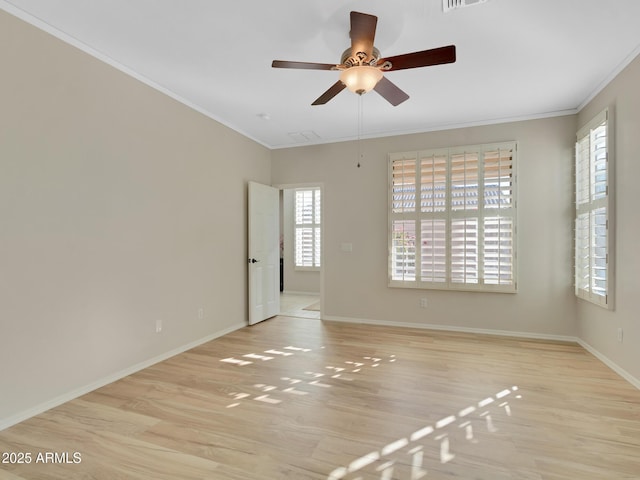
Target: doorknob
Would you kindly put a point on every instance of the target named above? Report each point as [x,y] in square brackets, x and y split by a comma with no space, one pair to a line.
[253,260]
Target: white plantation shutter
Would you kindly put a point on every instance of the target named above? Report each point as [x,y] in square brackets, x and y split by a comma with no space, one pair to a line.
[452,218]
[582,260]
[404,185]
[592,225]
[599,252]
[464,250]
[499,226]
[464,181]
[403,248]
[402,260]
[433,183]
[433,250]
[499,250]
[307,207]
[583,171]
[498,178]
[433,201]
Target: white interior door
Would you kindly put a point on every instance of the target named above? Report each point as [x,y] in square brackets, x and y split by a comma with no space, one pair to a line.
[264,252]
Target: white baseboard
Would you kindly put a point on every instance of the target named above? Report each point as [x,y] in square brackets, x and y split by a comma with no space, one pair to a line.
[78,392]
[503,333]
[294,292]
[451,328]
[611,364]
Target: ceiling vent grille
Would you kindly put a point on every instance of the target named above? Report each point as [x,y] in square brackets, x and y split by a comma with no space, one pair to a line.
[306,136]
[448,5]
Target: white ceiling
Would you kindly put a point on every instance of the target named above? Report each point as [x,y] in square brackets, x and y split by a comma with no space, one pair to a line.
[516,59]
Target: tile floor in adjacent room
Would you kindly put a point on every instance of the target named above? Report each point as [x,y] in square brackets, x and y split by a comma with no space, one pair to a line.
[294,305]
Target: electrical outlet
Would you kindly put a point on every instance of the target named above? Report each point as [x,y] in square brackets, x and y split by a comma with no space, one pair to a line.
[158,326]
[424,302]
[200,313]
[620,334]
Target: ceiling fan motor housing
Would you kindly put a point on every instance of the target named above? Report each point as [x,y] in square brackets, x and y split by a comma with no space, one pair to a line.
[359,58]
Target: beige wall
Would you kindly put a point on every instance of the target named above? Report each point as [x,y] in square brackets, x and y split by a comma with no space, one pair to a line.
[119,207]
[598,327]
[355,283]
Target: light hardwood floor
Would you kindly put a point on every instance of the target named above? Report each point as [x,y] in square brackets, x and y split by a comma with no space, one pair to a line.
[291,399]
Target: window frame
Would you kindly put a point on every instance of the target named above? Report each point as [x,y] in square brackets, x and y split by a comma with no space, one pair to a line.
[481,215]
[315,225]
[589,203]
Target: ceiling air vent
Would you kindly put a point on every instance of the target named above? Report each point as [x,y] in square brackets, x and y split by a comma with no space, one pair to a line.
[306,136]
[448,5]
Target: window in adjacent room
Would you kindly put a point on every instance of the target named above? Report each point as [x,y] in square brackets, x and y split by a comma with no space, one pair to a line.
[592,216]
[307,208]
[452,218]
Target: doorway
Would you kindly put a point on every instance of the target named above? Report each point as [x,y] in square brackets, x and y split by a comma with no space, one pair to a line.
[301,250]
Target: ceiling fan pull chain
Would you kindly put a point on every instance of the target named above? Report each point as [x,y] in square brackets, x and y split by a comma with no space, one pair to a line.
[359,129]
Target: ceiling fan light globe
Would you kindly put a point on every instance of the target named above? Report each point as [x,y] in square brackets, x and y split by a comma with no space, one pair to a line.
[361,79]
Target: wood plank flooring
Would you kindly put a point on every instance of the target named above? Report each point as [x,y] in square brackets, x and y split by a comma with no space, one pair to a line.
[294,399]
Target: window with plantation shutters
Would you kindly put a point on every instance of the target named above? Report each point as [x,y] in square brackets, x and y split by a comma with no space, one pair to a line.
[592,226]
[452,218]
[307,228]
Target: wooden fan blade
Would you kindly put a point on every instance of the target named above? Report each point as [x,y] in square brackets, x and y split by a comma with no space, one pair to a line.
[390,91]
[425,58]
[303,65]
[363,32]
[335,89]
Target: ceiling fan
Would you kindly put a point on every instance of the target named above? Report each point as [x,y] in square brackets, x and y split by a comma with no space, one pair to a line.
[362,68]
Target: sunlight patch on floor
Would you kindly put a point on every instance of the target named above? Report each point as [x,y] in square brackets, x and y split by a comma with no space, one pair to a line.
[392,455]
[309,378]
